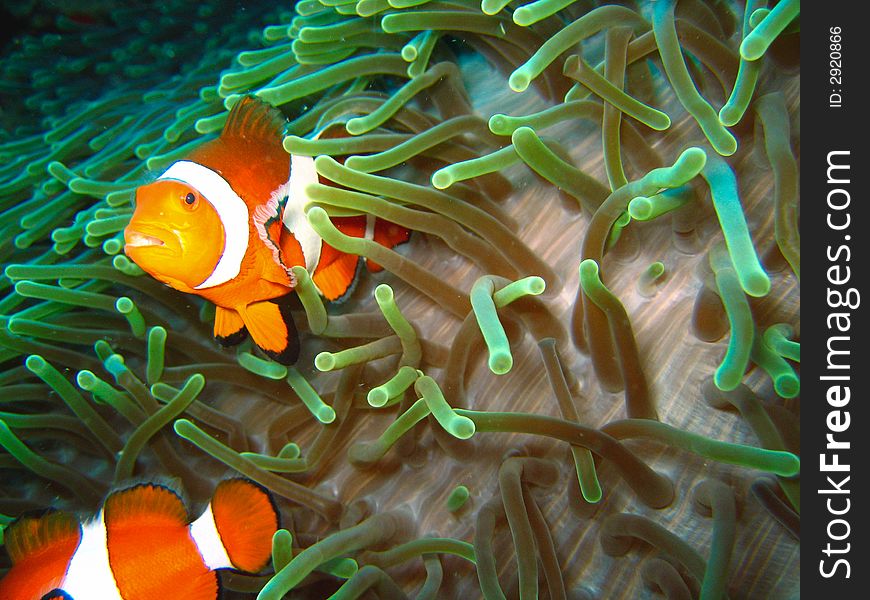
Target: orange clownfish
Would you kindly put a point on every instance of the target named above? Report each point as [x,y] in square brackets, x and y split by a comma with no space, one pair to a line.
[227,223]
[141,546]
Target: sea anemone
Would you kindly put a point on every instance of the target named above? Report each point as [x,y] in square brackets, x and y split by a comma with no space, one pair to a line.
[594,326]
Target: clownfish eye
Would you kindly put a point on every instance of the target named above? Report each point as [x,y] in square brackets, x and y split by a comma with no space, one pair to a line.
[190,199]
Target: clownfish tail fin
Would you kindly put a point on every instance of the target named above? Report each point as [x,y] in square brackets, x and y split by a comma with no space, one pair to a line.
[252,119]
[246,519]
[52,531]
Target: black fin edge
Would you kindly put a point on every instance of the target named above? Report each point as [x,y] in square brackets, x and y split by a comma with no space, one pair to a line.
[233,339]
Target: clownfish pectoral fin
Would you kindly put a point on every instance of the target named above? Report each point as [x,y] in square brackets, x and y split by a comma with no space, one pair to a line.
[57,595]
[271,232]
[41,548]
[272,328]
[229,329]
[246,519]
[253,119]
[388,235]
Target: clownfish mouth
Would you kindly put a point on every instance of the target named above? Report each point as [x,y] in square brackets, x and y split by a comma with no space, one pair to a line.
[137,239]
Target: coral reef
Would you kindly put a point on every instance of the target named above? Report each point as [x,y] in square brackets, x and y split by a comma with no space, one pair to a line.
[594,327]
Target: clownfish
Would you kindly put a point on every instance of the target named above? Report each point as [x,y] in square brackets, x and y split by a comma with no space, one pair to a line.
[141,546]
[227,223]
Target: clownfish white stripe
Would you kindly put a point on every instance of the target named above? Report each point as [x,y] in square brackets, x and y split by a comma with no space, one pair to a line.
[370,226]
[89,574]
[231,209]
[208,541]
[302,173]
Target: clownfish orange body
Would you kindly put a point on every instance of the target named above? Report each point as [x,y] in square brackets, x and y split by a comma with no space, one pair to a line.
[142,546]
[227,223]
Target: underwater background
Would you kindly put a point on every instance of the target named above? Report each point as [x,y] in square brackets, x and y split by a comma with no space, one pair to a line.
[579,379]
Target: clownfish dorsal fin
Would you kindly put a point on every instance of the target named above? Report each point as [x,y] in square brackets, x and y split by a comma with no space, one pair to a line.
[252,119]
[53,531]
[246,519]
[272,328]
[41,547]
[145,503]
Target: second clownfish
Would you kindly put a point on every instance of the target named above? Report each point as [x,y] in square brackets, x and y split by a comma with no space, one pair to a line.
[141,546]
[227,223]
